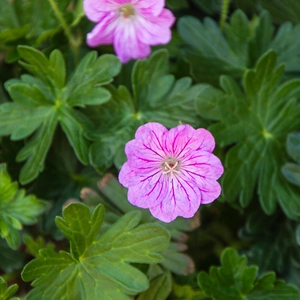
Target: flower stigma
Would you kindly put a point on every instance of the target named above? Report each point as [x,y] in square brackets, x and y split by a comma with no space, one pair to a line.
[170,166]
[127,10]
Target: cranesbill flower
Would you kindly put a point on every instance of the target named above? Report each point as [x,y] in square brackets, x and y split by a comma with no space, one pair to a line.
[171,172]
[132,26]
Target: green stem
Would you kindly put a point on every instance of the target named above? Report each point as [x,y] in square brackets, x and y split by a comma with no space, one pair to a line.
[224,13]
[74,43]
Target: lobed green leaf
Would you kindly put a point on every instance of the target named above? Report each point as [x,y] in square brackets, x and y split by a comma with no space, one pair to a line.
[6,293]
[257,121]
[16,209]
[103,258]
[42,102]
[235,280]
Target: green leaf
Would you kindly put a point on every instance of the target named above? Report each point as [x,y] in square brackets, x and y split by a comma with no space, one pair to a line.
[273,243]
[256,121]
[212,53]
[293,146]
[34,245]
[292,173]
[30,22]
[36,149]
[235,280]
[84,87]
[157,97]
[116,201]
[10,260]
[104,257]
[282,11]
[7,293]
[20,121]
[209,50]
[16,209]
[41,103]
[159,289]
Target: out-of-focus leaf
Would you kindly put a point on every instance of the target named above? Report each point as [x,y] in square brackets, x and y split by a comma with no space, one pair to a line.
[282,11]
[235,280]
[104,258]
[293,146]
[212,53]
[159,289]
[34,245]
[43,102]
[16,209]
[291,171]
[6,293]
[117,204]
[209,6]
[187,292]
[256,121]
[10,260]
[176,5]
[273,243]
[157,97]
[29,22]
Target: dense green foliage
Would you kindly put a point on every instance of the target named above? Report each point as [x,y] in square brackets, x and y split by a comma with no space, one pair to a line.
[66,112]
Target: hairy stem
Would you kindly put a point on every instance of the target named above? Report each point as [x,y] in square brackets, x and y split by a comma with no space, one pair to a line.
[74,43]
[224,13]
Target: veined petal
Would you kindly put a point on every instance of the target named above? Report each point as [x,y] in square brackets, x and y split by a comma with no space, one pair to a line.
[127,176]
[95,10]
[152,135]
[210,190]
[153,7]
[184,138]
[150,191]
[202,164]
[103,32]
[155,30]
[126,43]
[187,197]
[143,156]
[183,200]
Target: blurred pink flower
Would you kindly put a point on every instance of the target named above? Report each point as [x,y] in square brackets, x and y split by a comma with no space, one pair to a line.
[131,25]
[171,172]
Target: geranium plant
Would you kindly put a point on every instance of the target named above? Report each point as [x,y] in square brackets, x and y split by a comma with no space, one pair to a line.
[149,149]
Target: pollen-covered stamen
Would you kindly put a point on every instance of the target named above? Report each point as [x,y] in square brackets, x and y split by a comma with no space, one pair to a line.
[127,10]
[170,166]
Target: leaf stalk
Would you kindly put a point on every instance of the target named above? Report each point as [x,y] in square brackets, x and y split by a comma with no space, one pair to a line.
[224,13]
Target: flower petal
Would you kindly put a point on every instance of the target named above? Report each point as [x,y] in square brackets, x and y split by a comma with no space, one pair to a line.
[142,157]
[150,191]
[152,135]
[155,30]
[210,190]
[153,7]
[103,32]
[202,164]
[95,10]
[126,43]
[183,200]
[127,176]
[184,138]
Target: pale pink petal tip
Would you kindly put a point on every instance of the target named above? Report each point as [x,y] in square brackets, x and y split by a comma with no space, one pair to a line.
[131,26]
[171,172]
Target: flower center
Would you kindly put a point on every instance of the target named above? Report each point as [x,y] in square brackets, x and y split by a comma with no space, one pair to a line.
[170,166]
[127,10]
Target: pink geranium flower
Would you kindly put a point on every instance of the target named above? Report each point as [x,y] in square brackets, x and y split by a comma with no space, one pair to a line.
[171,172]
[131,25]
